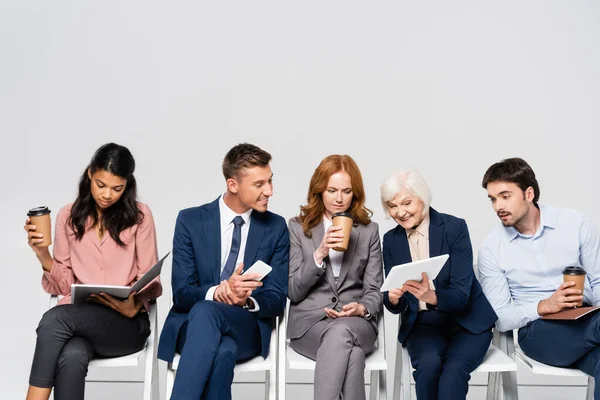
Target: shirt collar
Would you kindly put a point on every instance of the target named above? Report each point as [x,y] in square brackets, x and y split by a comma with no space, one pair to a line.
[422,229]
[547,220]
[227,214]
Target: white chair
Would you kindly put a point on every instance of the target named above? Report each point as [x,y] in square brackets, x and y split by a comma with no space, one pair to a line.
[543,369]
[496,364]
[146,357]
[258,363]
[375,362]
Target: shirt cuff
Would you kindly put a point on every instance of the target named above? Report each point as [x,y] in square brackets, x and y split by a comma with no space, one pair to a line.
[320,266]
[531,312]
[256,306]
[210,293]
[54,275]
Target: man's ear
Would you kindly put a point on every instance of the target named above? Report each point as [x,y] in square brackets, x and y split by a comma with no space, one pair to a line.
[232,185]
[529,194]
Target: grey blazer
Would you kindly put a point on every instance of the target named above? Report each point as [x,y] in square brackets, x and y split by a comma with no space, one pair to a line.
[311,289]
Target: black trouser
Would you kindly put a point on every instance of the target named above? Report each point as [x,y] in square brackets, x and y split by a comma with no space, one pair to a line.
[69,335]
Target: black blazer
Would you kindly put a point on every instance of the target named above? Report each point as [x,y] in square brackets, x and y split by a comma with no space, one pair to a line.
[458,291]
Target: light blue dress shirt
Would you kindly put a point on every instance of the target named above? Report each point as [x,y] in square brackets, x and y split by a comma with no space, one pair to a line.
[518,271]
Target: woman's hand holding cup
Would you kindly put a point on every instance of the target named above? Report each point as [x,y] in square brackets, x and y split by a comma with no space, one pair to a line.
[39,239]
[34,238]
[331,239]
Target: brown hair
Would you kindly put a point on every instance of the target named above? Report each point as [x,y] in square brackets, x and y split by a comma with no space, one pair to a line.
[513,170]
[244,155]
[312,213]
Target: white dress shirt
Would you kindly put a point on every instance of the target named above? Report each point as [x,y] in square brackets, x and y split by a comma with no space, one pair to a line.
[227,226]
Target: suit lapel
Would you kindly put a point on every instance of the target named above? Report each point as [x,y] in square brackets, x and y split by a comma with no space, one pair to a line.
[402,255]
[213,239]
[317,235]
[255,237]
[349,254]
[436,233]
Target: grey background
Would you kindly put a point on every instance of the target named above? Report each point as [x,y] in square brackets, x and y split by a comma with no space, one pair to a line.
[446,87]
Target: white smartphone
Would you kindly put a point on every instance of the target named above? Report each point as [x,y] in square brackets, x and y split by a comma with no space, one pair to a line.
[259,267]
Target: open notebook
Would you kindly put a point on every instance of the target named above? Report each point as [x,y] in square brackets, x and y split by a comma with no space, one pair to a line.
[81,292]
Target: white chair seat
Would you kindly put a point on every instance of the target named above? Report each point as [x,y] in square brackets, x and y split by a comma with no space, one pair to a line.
[373,362]
[131,360]
[496,361]
[255,364]
[543,369]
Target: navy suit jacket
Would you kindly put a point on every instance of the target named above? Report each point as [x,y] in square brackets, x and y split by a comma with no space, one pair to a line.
[458,291]
[197,267]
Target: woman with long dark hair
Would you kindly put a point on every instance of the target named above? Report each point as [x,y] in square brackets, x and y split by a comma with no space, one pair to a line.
[104,237]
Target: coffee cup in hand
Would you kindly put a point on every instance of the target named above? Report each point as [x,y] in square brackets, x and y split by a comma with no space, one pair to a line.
[343,219]
[577,275]
[40,217]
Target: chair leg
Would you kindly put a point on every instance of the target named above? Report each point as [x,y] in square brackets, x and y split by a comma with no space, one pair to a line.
[374,386]
[155,382]
[281,378]
[590,388]
[509,378]
[397,373]
[281,356]
[492,387]
[270,385]
[170,381]
[406,375]
[382,385]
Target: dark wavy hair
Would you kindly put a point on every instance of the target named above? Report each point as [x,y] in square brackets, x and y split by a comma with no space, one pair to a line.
[513,170]
[312,213]
[124,213]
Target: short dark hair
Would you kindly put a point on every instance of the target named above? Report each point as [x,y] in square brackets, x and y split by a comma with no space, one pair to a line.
[244,155]
[514,170]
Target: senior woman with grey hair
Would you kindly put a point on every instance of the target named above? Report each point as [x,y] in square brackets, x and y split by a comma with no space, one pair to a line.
[446,323]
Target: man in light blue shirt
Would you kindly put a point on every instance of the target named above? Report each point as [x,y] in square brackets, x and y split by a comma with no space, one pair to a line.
[520,266]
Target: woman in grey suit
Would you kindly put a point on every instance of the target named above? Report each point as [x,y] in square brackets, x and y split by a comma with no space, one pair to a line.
[335,295]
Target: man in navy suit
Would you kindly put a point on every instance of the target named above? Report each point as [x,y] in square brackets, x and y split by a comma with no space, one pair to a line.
[221,316]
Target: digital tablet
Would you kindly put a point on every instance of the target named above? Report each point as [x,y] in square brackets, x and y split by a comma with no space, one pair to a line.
[412,272]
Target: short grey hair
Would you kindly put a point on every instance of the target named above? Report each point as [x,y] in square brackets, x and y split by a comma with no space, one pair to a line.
[409,179]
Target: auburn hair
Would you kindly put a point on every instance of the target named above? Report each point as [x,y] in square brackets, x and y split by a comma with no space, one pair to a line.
[311,214]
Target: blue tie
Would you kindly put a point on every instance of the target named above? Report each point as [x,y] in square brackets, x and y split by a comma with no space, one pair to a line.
[235,248]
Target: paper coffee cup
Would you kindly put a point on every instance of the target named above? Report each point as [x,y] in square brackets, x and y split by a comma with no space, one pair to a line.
[40,217]
[344,220]
[577,275]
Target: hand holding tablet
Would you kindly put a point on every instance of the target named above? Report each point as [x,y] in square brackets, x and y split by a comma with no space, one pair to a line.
[412,272]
